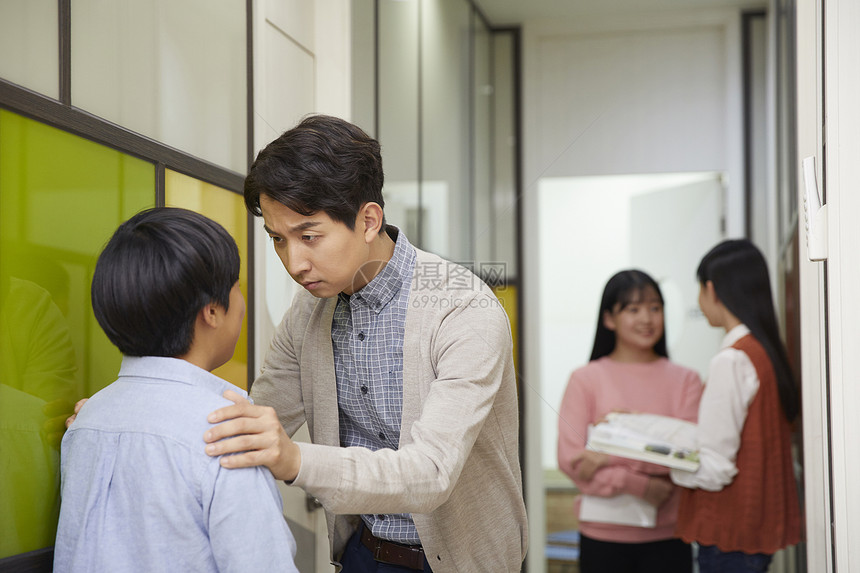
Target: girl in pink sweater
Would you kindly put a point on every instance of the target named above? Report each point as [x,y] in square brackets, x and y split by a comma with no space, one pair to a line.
[629,370]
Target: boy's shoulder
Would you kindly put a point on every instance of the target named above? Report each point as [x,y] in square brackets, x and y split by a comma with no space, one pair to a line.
[156,396]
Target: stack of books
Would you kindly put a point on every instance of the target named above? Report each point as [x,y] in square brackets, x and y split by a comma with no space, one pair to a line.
[651,438]
[662,440]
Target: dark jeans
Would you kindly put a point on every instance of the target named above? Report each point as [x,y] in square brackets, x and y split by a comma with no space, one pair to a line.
[359,559]
[668,556]
[712,560]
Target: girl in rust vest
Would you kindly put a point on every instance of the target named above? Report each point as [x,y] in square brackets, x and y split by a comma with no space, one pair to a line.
[742,503]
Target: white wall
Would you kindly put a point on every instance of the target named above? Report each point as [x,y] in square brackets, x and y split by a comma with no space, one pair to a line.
[635,93]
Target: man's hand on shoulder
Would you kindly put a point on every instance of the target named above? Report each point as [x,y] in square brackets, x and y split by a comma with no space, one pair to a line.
[254,437]
[78,405]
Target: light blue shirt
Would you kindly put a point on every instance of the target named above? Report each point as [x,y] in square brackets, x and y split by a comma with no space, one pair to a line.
[139,492]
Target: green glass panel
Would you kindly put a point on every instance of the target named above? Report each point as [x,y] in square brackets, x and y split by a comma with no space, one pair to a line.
[61,197]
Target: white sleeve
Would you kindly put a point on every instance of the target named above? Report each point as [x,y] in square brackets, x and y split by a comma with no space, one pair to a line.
[731,386]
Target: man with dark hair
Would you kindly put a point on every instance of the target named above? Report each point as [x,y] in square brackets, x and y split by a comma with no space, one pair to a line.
[138,493]
[400,362]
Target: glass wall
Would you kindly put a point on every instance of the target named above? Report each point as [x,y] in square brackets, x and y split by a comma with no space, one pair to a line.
[29,47]
[228,209]
[168,70]
[399,120]
[504,173]
[445,119]
[482,136]
[61,197]
[149,106]
[446,129]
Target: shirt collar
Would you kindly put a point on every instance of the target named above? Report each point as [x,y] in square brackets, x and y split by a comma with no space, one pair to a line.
[382,288]
[734,335]
[175,370]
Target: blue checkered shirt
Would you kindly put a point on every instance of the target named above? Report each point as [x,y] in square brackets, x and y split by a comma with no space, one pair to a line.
[367,336]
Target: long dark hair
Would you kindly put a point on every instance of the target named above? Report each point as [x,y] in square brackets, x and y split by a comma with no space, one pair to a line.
[739,274]
[624,288]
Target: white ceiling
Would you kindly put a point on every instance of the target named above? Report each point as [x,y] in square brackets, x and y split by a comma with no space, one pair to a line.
[515,12]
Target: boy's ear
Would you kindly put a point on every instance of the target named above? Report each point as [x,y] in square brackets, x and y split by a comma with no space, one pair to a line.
[210,314]
[370,220]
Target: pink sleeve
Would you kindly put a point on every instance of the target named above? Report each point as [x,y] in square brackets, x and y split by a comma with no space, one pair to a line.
[576,413]
[573,418]
[612,480]
[692,395]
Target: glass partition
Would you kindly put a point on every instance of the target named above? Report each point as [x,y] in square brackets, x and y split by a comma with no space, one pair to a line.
[398,120]
[168,70]
[504,157]
[446,122]
[446,198]
[228,209]
[483,235]
[29,47]
[446,119]
[61,198]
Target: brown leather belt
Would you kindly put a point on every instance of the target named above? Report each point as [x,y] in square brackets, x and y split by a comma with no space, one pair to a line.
[391,553]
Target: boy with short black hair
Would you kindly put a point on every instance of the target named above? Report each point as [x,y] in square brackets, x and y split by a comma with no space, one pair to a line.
[138,491]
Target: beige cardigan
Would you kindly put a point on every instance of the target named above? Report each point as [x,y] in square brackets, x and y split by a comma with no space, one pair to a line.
[457,468]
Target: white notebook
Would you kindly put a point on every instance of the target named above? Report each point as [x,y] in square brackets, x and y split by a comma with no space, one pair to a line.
[624,509]
[663,440]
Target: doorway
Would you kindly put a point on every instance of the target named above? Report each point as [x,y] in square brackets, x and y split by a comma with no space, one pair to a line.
[590,228]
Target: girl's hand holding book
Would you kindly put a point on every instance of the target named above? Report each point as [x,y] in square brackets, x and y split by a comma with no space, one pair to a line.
[658,491]
[587,463]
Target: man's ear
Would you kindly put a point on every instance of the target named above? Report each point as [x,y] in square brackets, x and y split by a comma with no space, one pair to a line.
[370,220]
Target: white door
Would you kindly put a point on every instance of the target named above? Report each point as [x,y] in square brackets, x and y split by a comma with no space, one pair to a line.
[592,227]
[828,92]
[671,229]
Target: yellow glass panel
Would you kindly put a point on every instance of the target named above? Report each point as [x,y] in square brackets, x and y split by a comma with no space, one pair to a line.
[507,295]
[228,209]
